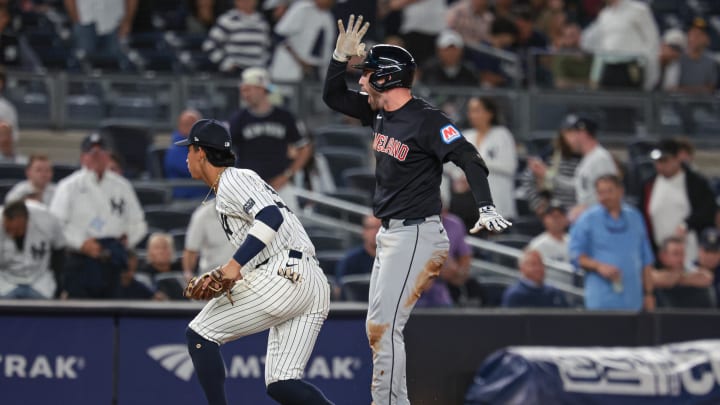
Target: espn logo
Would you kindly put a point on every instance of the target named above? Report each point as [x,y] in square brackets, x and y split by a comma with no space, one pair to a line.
[449,133]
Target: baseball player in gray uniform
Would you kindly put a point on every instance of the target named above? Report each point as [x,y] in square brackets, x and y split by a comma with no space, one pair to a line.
[274,280]
[411,141]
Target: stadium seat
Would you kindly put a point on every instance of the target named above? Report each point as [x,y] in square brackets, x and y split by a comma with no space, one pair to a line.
[528,225]
[135,107]
[329,259]
[360,178]
[178,236]
[84,107]
[152,195]
[493,289]
[327,241]
[350,195]
[161,217]
[5,186]
[355,287]
[156,161]
[338,159]
[130,143]
[359,138]
[10,171]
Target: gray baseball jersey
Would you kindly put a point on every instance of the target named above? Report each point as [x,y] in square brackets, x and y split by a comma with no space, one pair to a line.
[31,264]
[265,298]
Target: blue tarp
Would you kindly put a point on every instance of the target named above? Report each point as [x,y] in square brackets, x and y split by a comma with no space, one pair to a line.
[681,373]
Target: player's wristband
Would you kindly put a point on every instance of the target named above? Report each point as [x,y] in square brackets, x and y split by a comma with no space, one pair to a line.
[340,58]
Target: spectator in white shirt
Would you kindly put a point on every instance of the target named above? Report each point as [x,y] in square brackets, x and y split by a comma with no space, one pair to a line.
[673,45]
[308,29]
[31,243]
[8,113]
[626,42]
[205,240]
[102,219]
[39,185]
[553,243]
[496,145]
[596,161]
[8,153]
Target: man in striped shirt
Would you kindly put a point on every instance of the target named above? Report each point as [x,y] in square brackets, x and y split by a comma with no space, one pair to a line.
[239,39]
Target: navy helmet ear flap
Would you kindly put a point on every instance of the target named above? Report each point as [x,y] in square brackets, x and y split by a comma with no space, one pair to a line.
[389,62]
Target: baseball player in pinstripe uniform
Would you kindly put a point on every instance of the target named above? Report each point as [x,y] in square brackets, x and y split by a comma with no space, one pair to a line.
[278,284]
[412,140]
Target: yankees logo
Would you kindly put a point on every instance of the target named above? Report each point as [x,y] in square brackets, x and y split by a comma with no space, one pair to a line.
[38,251]
[117,207]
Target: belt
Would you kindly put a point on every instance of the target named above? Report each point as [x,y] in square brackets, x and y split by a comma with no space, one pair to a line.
[294,254]
[406,222]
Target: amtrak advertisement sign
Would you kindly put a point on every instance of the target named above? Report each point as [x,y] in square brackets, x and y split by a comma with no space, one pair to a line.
[681,373]
[155,367]
[56,360]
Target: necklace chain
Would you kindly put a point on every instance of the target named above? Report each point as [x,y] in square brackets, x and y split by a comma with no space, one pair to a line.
[213,188]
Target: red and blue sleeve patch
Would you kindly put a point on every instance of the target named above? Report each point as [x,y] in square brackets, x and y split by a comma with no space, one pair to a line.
[449,133]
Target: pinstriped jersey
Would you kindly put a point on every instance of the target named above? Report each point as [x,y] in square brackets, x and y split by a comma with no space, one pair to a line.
[241,194]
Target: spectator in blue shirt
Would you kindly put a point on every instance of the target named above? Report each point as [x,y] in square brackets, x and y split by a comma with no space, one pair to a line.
[176,156]
[531,291]
[609,241]
[359,260]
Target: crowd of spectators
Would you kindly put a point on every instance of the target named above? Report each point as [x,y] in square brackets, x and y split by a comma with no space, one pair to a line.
[490,43]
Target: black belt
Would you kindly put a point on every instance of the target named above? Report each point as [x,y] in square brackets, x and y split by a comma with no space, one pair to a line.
[406,222]
[294,254]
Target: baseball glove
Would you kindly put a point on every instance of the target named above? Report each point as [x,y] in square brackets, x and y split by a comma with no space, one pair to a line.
[209,285]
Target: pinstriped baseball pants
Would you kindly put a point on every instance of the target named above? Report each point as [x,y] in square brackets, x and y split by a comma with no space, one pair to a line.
[294,313]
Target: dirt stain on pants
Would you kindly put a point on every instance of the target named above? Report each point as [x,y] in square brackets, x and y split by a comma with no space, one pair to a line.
[427,276]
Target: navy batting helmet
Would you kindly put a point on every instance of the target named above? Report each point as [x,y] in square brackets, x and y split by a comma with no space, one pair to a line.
[389,62]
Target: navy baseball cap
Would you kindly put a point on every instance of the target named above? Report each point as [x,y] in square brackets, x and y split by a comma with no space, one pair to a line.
[710,239]
[91,140]
[578,122]
[209,133]
[665,148]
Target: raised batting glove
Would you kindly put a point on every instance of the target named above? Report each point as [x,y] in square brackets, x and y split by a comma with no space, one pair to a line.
[349,41]
[209,285]
[490,220]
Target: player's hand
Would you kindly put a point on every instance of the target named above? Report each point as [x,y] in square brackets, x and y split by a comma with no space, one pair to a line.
[490,219]
[349,42]
[91,248]
[608,271]
[649,303]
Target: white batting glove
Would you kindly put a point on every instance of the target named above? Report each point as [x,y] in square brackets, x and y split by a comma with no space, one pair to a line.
[349,41]
[490,220]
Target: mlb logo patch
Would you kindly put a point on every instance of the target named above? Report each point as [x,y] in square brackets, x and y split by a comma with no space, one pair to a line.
[449,133]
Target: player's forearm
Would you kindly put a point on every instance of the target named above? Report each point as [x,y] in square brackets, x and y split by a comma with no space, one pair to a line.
[189,261]
[699,279]
[336,94]
[301,158]
[467,158]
